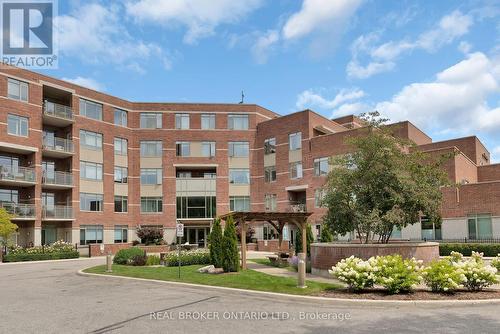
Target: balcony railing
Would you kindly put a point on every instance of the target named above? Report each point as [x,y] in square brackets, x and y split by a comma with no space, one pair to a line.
[19,210]
[58,144]
[58,179]
[58,110]
[57,212]
[298,207]
[196,186]
[21,174]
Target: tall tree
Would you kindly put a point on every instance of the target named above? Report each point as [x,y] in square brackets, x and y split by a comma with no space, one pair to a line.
[231,258]
[386,183]
[215,244]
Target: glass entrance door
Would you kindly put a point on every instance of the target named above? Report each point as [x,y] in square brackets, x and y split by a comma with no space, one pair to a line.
[48,235]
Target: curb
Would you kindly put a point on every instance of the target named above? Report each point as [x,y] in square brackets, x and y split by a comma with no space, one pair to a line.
[50,261]
[334,301]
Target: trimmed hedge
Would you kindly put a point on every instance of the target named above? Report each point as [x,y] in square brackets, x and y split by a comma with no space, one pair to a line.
[466,249]
[40,256]
[125,256]
[199,256]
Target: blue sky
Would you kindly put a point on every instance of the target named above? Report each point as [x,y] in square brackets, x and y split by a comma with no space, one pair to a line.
[436,63]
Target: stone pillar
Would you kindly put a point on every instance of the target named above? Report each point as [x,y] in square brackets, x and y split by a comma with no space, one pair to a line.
[302,270]
[243,246]
[37,236]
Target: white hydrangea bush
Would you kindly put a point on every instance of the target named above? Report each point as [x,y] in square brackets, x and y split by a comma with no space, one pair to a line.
[495,262]
[397,274]
[355,272]
[476,274]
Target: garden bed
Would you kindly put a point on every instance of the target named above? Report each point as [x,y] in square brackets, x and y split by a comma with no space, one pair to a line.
[380,294]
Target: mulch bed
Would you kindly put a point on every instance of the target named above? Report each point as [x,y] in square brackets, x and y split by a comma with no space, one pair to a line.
[379,294]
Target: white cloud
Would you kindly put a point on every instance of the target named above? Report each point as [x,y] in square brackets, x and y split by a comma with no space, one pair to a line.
[200,17]
[262,46]
[464,47]
[97,34]
[311,99]
[355,70]
[85,82]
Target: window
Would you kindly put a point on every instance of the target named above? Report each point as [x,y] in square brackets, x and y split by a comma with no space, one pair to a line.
[121,234]
[17,90]
[151,148]
[120,117]
[479,226]
[183,149]
[295,141]
[237,122]
[151,204]
[150,120]
[9,196]
[270,146]
[91,234]
[269,232]
[91,140]
[270,202]
[91,202]
[121,174]
[208,149]
[319,195]
[17,125]
[208,121]
[90,171]
[239,176]
[121,203]
[151,176]
[239,203]
[182,121]
[91,109]
[321,166]
[296,170]
[270,174]
[120,146]
[196,207]
[238,149]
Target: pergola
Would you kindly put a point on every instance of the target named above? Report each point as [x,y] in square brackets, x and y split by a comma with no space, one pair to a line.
[278,221]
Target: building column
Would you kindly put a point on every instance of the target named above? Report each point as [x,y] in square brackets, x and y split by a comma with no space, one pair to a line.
[37,236]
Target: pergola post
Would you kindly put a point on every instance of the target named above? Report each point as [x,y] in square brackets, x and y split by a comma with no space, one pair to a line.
[302,256]
[243,245]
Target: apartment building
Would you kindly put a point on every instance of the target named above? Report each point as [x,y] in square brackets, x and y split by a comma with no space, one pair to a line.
[86,167]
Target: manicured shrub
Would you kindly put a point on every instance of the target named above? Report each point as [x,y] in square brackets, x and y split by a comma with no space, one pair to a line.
[150,235]
[309,240]
[355,272]
[326,234]
[135,242]
[198,256]
[215,244]
[466,249]
[495,262]
[443,276]
[153,260]
[125,256]
[395,273]
[230,255]
[139,260]
[477,274]
[18,257]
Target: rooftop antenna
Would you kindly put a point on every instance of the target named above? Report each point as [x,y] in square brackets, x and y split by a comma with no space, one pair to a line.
[242,97]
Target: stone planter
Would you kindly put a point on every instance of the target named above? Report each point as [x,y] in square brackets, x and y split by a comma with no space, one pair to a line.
[326,255]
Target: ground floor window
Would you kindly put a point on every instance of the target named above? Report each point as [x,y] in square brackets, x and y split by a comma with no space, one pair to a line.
[91,234]
[396,233]
[479,226]
[269,232]
[431,230]
[121,234]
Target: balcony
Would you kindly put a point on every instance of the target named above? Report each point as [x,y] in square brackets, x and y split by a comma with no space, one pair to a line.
[56,147]
[57,180]
[19,211]
[58,212]
[195,186]
[57,114]
[297,207]
[20,176]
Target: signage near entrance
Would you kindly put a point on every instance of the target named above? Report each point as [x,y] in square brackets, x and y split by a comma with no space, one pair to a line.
[180,230]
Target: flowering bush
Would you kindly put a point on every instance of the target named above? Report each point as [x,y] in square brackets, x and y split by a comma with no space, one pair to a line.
[395,273]
[495,262]
[198,256]
[475,273]
[355,272]
[443,276]
[56,247]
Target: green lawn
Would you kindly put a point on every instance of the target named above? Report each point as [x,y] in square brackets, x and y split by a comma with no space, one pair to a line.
[267,262]
[246,279]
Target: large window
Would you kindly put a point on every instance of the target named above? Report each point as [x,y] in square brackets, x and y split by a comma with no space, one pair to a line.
[121,174]
[238,148]
[151,176]
[150,120]
[239,203]
[10,196]
[208,121]
[120,146]
[296,170]
[295,141]
[91,202]
[237,122]
[270,146]
[196,207]
[121,204]
[91,234]
[151,204]
[270,202]
[270,174]
[17,90]
[120,117]
[182,121]
[183,148]
[208,149]
[321,166]
[239,176]
[91,140]
[480,226]
[17,125]
[151,148]
[90,171]
[91,109]
[121,234]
